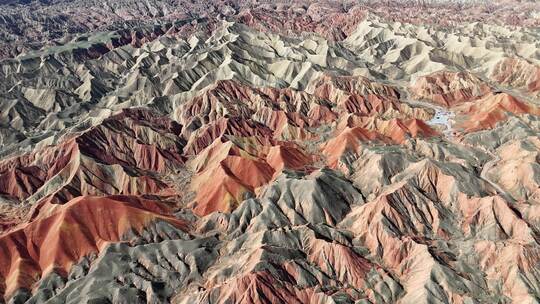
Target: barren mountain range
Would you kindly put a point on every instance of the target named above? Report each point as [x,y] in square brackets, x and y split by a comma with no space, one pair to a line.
[251,151]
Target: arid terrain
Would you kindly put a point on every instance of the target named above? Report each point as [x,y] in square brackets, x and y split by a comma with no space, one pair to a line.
[252,151]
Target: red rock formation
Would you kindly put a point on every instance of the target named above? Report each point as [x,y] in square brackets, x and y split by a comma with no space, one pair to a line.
[348,140]
[396,130]
[224,127]
[485,113]
[449,88]
[357,94]
[361,96]
[517,73]
[286,126]
[223,185]
[63,234]
[331,22]
[341,261]
[225,173]
[128,139]
[285,111]
[354,130]
[281,156]
[321,115]
[259,287]
[22,175]
[94,162]
[21,182]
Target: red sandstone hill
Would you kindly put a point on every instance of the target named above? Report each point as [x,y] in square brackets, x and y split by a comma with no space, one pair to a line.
[517,73]
[449,89]
[485,113]
[61,235]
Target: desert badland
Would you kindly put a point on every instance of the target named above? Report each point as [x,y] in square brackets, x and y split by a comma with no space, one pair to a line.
[252,151]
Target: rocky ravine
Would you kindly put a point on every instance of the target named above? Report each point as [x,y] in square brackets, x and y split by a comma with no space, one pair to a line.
[253,155]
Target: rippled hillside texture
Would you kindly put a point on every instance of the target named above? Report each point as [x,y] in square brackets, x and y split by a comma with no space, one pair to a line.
[256,152]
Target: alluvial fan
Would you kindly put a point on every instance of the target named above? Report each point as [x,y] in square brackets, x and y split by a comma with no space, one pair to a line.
[250,151]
